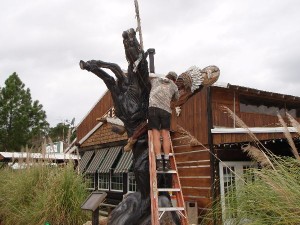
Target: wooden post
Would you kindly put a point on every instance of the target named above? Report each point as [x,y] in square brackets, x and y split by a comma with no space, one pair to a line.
[211,149]
[95,217]
[153,182]
[139,27]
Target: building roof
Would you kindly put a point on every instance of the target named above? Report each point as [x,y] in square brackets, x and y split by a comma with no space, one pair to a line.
[257,91]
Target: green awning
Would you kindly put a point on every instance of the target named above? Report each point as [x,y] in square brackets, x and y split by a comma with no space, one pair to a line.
[109,159]
[85,159]
[125,163]
[97,160]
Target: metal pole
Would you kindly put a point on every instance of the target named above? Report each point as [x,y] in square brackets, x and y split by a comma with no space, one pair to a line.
[151,52]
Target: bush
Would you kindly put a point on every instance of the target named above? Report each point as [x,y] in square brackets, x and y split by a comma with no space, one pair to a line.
[41,194]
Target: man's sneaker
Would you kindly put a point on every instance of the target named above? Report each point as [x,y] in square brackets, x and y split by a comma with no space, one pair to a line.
[167,165]
[159,165]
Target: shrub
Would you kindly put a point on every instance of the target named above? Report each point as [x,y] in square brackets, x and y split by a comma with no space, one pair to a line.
[40,194]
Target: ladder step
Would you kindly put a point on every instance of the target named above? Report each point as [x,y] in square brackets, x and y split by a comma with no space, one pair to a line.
[170,154]
[169,171]
[168,189]
[165,209]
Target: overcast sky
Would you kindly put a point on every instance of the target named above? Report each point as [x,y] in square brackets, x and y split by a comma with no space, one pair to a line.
[255,43]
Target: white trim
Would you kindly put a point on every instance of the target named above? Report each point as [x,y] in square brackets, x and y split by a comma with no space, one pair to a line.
[52,156]
[221,84]
[133,184]
[237,173]
[88,176]
[256,130]
[111,183]
[90,133]
[104,189]
[71,148]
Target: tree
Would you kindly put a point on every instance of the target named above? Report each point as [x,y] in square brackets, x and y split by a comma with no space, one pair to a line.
[22,121]
[62,132]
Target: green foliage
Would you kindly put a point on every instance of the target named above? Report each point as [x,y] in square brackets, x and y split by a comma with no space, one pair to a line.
[42,194]
[22,121]
[61,132]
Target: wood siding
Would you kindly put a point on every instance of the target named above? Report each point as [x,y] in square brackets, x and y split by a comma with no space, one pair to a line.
[193,163]
[230,98]
[193,116]
[89,122]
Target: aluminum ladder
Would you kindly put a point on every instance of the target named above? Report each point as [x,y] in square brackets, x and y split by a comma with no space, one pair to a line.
[156,211]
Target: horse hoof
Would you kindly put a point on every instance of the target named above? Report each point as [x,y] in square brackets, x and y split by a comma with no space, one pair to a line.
[82,64]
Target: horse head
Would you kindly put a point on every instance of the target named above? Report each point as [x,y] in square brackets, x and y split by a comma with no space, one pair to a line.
[132,46]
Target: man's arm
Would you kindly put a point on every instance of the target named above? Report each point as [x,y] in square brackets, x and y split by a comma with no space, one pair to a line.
[176,93]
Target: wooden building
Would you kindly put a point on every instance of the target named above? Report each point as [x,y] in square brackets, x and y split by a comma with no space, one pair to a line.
[206,141]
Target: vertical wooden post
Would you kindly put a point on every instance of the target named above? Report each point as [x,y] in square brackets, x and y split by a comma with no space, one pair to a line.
[153,182]
[211,149]
[139,27]
[95,217]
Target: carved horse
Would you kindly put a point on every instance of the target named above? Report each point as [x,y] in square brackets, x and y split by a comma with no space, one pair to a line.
[130,94]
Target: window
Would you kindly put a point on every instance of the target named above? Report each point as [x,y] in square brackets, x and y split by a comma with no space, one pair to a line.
[116,183]
[267,107]
[103,181]
[131,182]
[90,180]
[232,176]
[261,106]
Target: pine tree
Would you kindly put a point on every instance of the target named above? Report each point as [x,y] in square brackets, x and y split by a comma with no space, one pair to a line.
[22,121]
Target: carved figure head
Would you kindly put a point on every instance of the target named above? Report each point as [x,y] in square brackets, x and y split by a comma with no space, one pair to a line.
[131,45]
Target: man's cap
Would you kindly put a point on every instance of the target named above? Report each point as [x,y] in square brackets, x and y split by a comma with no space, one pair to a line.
[172,75]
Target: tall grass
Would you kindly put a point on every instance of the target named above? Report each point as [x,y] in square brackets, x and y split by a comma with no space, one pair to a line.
[40,194]
[273,197]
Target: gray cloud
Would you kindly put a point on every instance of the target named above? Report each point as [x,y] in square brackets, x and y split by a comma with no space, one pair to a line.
[255,44]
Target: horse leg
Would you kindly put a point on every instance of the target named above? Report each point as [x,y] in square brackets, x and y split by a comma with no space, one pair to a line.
[115,68]
[92,66]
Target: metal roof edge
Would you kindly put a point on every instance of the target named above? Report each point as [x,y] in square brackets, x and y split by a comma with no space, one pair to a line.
[255,130]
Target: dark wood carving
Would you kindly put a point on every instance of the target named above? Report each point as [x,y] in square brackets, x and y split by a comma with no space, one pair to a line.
[130,93]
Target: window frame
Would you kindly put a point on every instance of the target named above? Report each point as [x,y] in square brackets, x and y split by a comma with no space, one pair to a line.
[238,173]
[120,178]
[130,184]
[107,181]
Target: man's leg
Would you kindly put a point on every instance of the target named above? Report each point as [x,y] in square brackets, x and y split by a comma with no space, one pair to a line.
[166,141]
[157,149]
[166,148]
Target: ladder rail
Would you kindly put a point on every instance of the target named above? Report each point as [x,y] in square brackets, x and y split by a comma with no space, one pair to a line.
[177,184]
[156,211]
[153,182]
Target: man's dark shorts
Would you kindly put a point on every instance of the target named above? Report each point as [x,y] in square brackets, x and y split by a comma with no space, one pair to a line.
[158,119]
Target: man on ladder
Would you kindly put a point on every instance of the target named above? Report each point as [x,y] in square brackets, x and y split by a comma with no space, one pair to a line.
[163,91]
